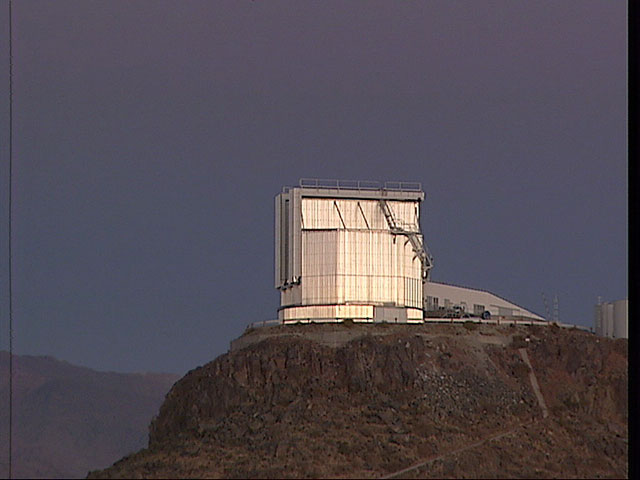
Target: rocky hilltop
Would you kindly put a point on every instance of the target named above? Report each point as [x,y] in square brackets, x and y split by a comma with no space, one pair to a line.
[411,401]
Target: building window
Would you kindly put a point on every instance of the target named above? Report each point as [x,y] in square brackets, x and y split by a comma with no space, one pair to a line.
[478,309]
[432,303]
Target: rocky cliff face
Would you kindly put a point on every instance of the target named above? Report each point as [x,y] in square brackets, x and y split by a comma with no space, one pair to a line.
[408,400]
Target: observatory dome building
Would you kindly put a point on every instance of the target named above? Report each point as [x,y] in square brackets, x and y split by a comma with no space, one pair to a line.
[354,250]
[350,250]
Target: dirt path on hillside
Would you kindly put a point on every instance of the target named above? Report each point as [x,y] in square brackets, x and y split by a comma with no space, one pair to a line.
[458,450]
[536,389]
[534,383]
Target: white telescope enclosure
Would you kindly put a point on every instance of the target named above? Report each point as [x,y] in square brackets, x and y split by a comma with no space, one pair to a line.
[350,250]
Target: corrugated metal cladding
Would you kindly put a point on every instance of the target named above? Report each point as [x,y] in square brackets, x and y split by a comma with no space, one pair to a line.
[359,266]
[348,253]
[361,214]
[362,312]
[339,250]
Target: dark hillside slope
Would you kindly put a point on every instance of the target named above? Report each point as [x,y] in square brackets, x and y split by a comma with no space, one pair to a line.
[69,419]
[374,400]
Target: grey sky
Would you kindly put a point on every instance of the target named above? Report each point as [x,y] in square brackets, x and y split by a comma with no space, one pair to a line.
[151,137]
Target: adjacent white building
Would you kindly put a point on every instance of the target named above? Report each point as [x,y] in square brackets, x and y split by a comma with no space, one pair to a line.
[611,319]
[354,250]
[473,301]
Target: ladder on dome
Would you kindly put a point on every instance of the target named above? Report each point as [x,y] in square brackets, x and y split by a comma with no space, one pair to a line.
[416,243]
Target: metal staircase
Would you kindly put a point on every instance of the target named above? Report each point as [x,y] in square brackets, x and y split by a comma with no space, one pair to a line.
[414,237]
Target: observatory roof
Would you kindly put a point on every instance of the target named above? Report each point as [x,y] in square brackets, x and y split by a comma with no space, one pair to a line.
[313,187]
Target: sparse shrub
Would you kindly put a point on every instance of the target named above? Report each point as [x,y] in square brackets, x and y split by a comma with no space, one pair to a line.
[521,370]
[555,409]
[343,448]
[348,323]
[520,409]
[488,406]
[424,428]
[572,402]
[365,430]
[518,341]
[469,325]
[313,472]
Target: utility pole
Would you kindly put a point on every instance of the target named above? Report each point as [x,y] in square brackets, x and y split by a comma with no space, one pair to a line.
[10,208]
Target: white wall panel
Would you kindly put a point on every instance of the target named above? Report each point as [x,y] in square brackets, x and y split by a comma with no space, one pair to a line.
[359,266]
[277,245]
[319,267]
[320,213]
[345,253]
[295,229]
[621,319]
[327,312]
[325,213]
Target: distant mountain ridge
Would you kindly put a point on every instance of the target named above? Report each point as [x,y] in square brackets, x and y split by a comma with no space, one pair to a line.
[70,419]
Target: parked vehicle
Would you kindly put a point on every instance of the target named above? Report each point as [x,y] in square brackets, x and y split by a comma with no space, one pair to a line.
[456,311]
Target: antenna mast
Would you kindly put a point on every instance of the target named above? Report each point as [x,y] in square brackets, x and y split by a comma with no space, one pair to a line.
[546,307]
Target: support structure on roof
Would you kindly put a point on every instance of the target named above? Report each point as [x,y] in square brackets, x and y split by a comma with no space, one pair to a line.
[416,241]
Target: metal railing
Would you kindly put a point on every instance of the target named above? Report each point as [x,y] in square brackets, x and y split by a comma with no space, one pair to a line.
[264,323]
[496,320]
[360,185]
